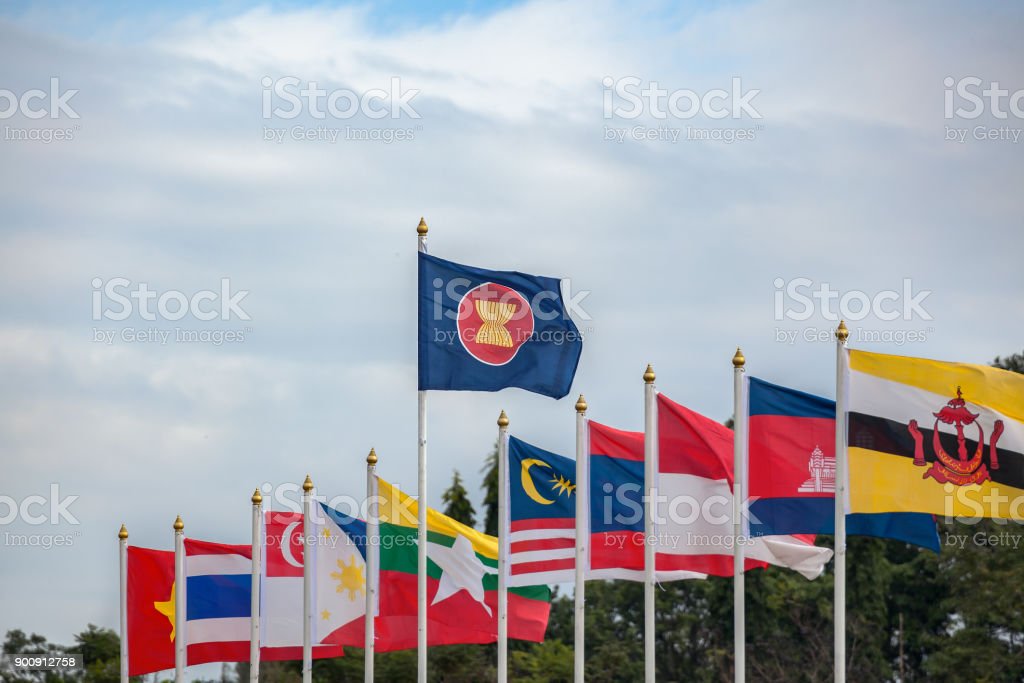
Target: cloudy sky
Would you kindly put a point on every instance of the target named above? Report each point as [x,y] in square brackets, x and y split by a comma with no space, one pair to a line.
[845,158]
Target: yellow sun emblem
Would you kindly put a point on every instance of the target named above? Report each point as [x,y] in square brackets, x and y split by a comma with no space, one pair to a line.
[562,485]
[350,579]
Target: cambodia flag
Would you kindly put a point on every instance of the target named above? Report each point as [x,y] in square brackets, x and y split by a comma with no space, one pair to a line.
[792,470]
[486,330]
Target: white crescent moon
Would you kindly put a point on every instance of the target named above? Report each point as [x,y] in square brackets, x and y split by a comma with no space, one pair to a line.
[286,546]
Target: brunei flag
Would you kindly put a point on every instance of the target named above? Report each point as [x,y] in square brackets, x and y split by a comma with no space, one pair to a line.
[929,436]
[462,582]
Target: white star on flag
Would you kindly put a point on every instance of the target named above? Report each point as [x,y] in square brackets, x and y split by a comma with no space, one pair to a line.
[461,569]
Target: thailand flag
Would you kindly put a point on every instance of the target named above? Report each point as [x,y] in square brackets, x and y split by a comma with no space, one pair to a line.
[542,516]
[218,601]
[792,469]
[616,488]
[695,480]
[218,606]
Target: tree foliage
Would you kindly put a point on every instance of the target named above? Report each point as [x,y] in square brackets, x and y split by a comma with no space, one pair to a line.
[457,504]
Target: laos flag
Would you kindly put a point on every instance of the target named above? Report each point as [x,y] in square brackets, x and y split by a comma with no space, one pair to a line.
[792,472]
[485,330]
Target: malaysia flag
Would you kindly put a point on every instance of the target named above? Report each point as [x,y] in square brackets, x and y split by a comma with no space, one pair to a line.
[542,515]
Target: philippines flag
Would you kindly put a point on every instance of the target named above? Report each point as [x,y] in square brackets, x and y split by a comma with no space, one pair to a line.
[792,470]
[485,330]
[542,515]
[695,481]
[616,488]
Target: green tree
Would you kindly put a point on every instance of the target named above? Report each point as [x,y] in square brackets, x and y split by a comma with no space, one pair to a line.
[490,487]
[456,502]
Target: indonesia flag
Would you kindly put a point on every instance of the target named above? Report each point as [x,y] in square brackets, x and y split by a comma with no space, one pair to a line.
[542,515]
[616,488]
[695,479]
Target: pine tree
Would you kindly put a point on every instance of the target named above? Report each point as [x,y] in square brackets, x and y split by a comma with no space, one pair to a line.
[490,487]
[456,502]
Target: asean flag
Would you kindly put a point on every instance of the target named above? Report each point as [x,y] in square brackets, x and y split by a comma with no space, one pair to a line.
[487,330]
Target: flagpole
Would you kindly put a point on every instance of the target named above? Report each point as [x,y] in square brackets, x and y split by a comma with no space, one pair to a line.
[582,497]
[842,474]
[254,587]
[122,551]
[372,516]
[650,471]
[307,580]
[503,547]
[180,615]
[421,508]
[738,492]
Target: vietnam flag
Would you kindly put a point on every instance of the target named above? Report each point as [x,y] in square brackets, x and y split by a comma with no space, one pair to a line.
[150,610]
[462,582]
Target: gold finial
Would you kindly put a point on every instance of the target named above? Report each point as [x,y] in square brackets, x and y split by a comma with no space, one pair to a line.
[123,533]
[307,485]
[649,375]
[371,459]
[738,360]
[841,332]
[581,404]
[257,497]
[422,228]
[503,419]
[178,524]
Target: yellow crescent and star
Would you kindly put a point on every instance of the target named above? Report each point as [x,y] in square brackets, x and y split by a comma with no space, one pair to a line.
[559,484]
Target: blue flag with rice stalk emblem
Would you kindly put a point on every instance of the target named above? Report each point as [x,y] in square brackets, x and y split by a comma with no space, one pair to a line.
[486,330]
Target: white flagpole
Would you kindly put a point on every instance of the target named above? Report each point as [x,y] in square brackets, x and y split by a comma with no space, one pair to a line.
[307,580]
[650,472]
[122,551]
[254,587]
[842,476]
[738,491]
[503,548]
[421,531]
[180,615]
[372,516]
[582,515]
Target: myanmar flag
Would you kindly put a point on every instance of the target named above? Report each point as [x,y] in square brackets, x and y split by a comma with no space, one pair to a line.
[930,436]
[462,583]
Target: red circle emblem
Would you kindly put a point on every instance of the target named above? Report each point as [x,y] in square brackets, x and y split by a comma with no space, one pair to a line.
[494,322]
